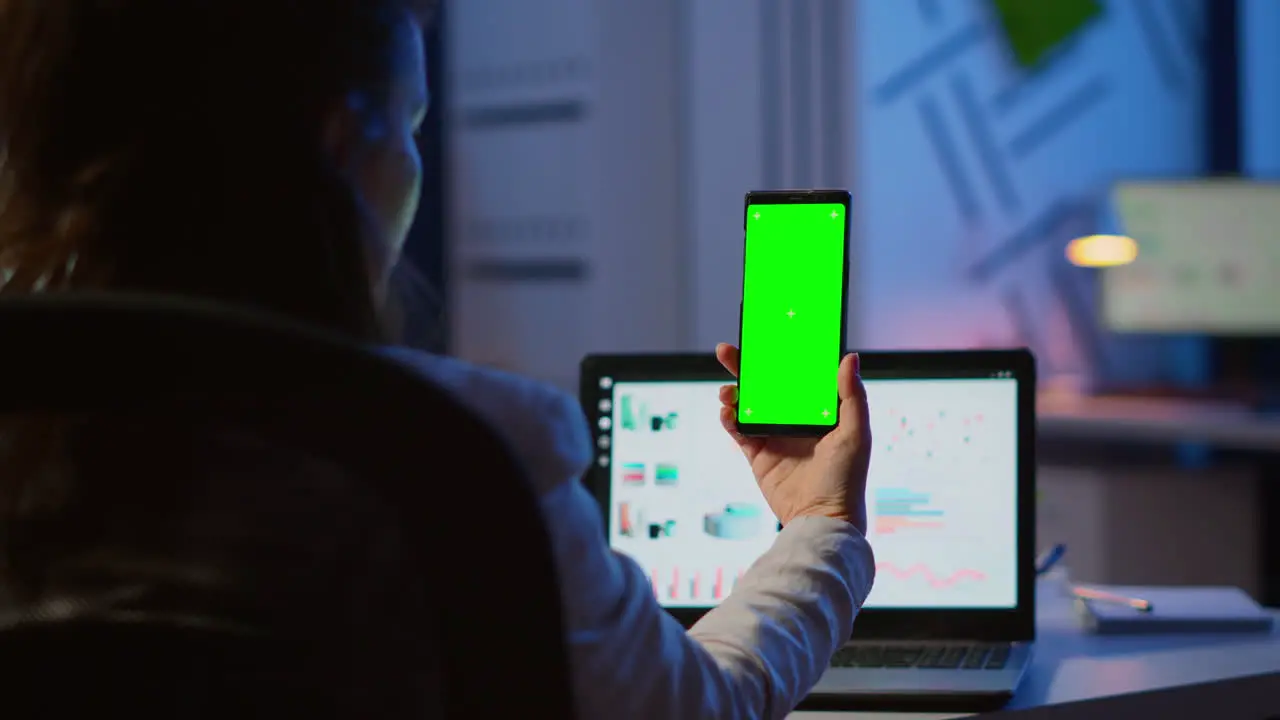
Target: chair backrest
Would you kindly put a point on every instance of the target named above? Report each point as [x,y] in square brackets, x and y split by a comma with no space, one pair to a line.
[87,668]
[469,524]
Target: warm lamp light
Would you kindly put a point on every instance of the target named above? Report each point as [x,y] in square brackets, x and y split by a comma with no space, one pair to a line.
[1102,251]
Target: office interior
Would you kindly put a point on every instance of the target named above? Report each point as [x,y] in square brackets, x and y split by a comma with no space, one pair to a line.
[1097,181]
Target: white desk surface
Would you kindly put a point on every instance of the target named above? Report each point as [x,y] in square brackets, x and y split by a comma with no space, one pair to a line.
[1071,666]
[1071,416]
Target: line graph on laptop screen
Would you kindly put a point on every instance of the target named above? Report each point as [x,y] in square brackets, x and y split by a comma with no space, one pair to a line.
[941,493]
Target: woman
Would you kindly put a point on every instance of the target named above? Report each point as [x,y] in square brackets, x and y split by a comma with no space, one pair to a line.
[263,152]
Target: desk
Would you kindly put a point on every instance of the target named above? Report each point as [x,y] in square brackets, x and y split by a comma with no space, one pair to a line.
[1071,666]
[1222,426]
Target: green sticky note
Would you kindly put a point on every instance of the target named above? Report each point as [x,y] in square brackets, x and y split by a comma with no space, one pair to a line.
[1034,29]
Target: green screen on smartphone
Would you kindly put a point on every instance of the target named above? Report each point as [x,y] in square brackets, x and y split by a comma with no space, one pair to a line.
[792,314]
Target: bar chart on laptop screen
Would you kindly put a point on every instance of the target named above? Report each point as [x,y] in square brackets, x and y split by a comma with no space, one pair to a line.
[686,507]
[941,492]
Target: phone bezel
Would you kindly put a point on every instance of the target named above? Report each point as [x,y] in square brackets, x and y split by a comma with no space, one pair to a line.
[797,197]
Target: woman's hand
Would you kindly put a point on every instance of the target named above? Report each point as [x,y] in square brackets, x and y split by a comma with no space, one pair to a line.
[809,476]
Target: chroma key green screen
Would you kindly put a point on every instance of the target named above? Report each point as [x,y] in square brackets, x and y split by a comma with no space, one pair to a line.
[792,302]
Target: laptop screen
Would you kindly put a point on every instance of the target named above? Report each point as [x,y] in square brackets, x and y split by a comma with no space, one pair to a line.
[941,495]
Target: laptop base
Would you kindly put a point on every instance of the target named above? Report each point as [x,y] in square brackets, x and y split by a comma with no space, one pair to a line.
[922,677]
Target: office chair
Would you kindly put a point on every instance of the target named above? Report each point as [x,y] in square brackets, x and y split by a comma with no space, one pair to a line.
[157,377]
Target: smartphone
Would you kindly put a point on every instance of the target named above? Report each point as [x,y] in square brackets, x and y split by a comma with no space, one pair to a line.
[792,320]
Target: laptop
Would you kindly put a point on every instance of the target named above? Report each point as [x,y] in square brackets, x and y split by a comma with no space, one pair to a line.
[950,622]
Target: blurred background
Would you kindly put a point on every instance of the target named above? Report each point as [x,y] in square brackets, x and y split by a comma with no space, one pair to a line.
[1089,178]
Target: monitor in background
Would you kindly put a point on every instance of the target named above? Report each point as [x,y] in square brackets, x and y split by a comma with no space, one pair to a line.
[1208,259]
[942,494]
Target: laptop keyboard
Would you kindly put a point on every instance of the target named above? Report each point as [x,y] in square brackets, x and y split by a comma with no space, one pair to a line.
[970,657]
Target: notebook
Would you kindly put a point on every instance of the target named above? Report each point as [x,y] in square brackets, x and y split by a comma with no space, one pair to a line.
[1176,610]
[950,622]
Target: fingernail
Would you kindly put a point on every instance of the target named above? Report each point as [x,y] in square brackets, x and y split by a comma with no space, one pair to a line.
[857,364]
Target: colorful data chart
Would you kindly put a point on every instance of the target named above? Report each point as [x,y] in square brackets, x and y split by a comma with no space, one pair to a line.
[737,521]
[626,520]
[663,529]
[666,475]
[722,583]
[928,576]
[633,474]
[636,416]
[898,509]
[632,416]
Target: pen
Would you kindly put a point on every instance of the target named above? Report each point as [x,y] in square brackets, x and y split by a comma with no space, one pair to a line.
[1138,604]
[1050,558]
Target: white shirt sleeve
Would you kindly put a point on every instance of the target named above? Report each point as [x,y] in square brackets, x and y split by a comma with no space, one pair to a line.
[755,656]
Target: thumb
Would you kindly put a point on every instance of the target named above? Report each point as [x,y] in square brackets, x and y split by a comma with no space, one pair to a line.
[855,417]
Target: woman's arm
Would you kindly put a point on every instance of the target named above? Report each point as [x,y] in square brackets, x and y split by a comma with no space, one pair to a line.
[755,656]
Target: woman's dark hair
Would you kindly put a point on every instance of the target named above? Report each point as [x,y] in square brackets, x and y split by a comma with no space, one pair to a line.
[177,147]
